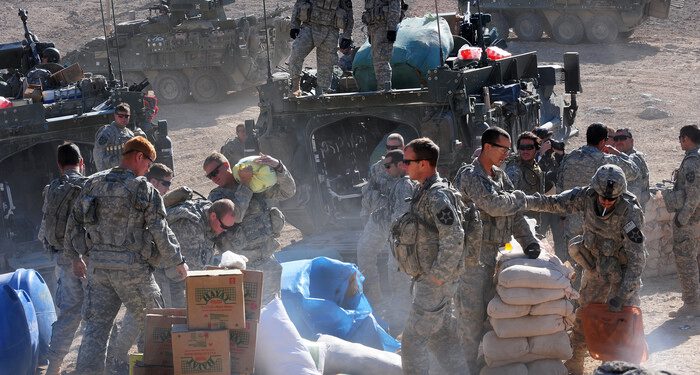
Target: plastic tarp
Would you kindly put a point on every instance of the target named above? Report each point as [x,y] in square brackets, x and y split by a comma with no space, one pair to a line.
[324,296]
[416,50]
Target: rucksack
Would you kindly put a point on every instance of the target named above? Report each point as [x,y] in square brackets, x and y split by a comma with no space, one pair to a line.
[60,196]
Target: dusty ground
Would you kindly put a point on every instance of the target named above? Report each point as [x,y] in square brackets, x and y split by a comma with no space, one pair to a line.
[660,63]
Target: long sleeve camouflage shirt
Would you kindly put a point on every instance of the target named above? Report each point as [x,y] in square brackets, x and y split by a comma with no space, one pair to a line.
[330,13]
[375,194]
[190,223]
[578,167]
[684,199]
[109,141]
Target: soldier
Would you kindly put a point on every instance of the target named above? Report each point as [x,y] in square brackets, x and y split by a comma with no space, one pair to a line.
[684,200]
[433,230]
[161,177]
[488,187]
[218,169]
[375,192]
[110,139]
[118,220]
[382,18]
[611,249]
[316,23]
[234,149]
[639,187]
[523,170]
[59,196]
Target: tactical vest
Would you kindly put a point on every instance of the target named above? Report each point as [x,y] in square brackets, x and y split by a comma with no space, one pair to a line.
[323,12]
[375,11]
[60,196]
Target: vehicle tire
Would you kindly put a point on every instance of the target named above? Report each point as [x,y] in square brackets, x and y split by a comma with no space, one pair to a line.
[208,86]
[602,29]
[171,87]
[500,22]
[528,26]
[568,29]
[624,35]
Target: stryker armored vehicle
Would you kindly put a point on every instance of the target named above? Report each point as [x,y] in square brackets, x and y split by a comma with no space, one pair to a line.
[30,131]
[329,141]
[189,46]
[570,22]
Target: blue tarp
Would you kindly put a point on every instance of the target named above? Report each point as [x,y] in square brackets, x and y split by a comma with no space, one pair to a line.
[324,295]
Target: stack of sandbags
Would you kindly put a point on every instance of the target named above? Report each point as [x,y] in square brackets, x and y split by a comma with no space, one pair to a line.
[530,316]
[658,238]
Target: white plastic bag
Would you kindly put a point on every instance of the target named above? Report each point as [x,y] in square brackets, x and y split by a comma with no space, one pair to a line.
[229,259]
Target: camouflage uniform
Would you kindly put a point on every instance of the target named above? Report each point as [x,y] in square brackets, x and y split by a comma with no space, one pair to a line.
[109,142]
[640,186]
[118,221]
[59,197]
[235,150]
[319,22]
[239,194]
[684,200]
[431,324]
[255,236]
[500,212]
[376,191]
[381,16]
[616,244]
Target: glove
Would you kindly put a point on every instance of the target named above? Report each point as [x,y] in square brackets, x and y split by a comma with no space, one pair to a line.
[293,33]
[345,43]
[533,250]
[615,304]
[391,35]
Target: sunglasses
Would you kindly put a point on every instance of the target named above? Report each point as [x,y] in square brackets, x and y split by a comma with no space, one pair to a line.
[608,199]
[223,226]
[409,161]
[165,183]
[526,147]
[214,172]
[499,146]
[121,115]
[619,138]
[389,147]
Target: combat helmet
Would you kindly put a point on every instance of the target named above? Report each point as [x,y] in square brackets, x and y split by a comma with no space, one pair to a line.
[52,55]
[609,181]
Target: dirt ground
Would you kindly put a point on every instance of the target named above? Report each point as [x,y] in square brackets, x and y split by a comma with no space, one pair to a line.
[659,65]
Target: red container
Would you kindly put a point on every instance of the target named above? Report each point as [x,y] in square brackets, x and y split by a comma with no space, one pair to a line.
[4,103]
[614,336]
[468,52]
[495,53]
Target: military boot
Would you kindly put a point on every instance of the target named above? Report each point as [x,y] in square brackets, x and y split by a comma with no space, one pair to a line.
[296,86]
[688,309]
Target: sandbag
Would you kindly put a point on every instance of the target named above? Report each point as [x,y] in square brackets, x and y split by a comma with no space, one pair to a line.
[344,357]
[512,369]
[528,296]
[529,357]
[612,335]
[545,260]
[499,309]
[522,276]
[263,176]
[546,366]
[528,326]
[555,346]
[557,307]
[498,349]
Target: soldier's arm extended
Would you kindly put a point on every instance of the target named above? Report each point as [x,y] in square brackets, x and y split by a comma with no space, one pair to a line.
[450,237]
[522,231]
[487,199]
[285,188]
[192,241]
[627,164]
[349,19]
[394,15]
[154,218]
[635,252]
[566,202]
[692,190]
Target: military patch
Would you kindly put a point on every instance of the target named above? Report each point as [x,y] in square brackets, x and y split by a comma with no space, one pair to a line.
[103,140]
[633,233]
[446,216]
[690,176]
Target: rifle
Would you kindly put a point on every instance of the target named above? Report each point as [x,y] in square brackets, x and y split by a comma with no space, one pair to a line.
[30,37]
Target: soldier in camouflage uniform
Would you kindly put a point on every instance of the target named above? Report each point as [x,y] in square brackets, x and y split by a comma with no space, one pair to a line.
[639,187]
[611,249]
[118,221]
[438,240]
[259,223]
[684,200]
[316,23]
[234,149]
[59,197]
[218,169]
[382,18]
[110,139]
[374,193]
[486,186]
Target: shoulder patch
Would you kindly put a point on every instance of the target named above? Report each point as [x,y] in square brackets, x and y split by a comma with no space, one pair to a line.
[446,216]
[633,233]
[690,176]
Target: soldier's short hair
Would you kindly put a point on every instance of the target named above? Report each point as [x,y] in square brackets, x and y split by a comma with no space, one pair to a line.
[492,134]
[528,135]
[692,132]
[140,144]
[159,171]
[122,107]
[68,153]
[625,131]
[222,207]
[396,137]
[395,155]
[215,157]
[239,127]
[596,133]
[425,149]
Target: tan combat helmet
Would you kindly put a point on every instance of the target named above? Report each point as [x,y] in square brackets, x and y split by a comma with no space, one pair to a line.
[609,181]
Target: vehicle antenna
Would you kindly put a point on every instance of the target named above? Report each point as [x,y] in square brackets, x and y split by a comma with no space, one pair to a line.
[437,19]
[110,72]
[116,38]
[480,34]
[267,43]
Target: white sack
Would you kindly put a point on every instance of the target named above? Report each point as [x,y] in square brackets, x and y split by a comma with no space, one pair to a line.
[522,276]
[512,369]
[528,296]
[547,366]
[557,307]
[499,309]
[555,346]
[344,357]
[528,326]
[498,349]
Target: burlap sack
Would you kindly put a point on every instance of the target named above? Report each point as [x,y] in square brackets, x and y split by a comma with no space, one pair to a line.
[528,326]
[499,309]
[522,276]
[528,296]
[529,357]
[555,346]
[546,366]
[557,307]
[512,369]
[498,349]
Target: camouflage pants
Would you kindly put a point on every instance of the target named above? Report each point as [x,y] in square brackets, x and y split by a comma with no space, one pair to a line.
[382,50]
[325,39]
[260,258]
[555,224]
[69,300]
[470,304]
[371,244]
[124,333]
[685,249]
[431,327]
[106,291]
[399,301]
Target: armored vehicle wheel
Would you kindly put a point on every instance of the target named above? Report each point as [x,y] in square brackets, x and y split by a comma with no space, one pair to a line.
[568,29]
[208,86]
[171,87]
[528,26]
[500,22]
[601,29]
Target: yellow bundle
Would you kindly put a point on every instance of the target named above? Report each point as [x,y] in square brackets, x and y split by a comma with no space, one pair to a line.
[263,176]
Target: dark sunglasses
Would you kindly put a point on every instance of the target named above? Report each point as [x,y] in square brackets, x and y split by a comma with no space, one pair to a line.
[223,226]
[607,199]
[165,183]
[121,115]
[619,138]
[499,146]
[388,147]
[409,161]
[526,147]
[214,172]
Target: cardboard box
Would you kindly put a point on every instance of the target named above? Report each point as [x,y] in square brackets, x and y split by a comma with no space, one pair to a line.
[252,294]
[73,73]
[215,299]
[200,351]
[143,369]
[133,359]
[243,348]
[158,348]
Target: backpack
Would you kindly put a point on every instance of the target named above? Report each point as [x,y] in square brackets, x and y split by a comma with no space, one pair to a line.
[60,196]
